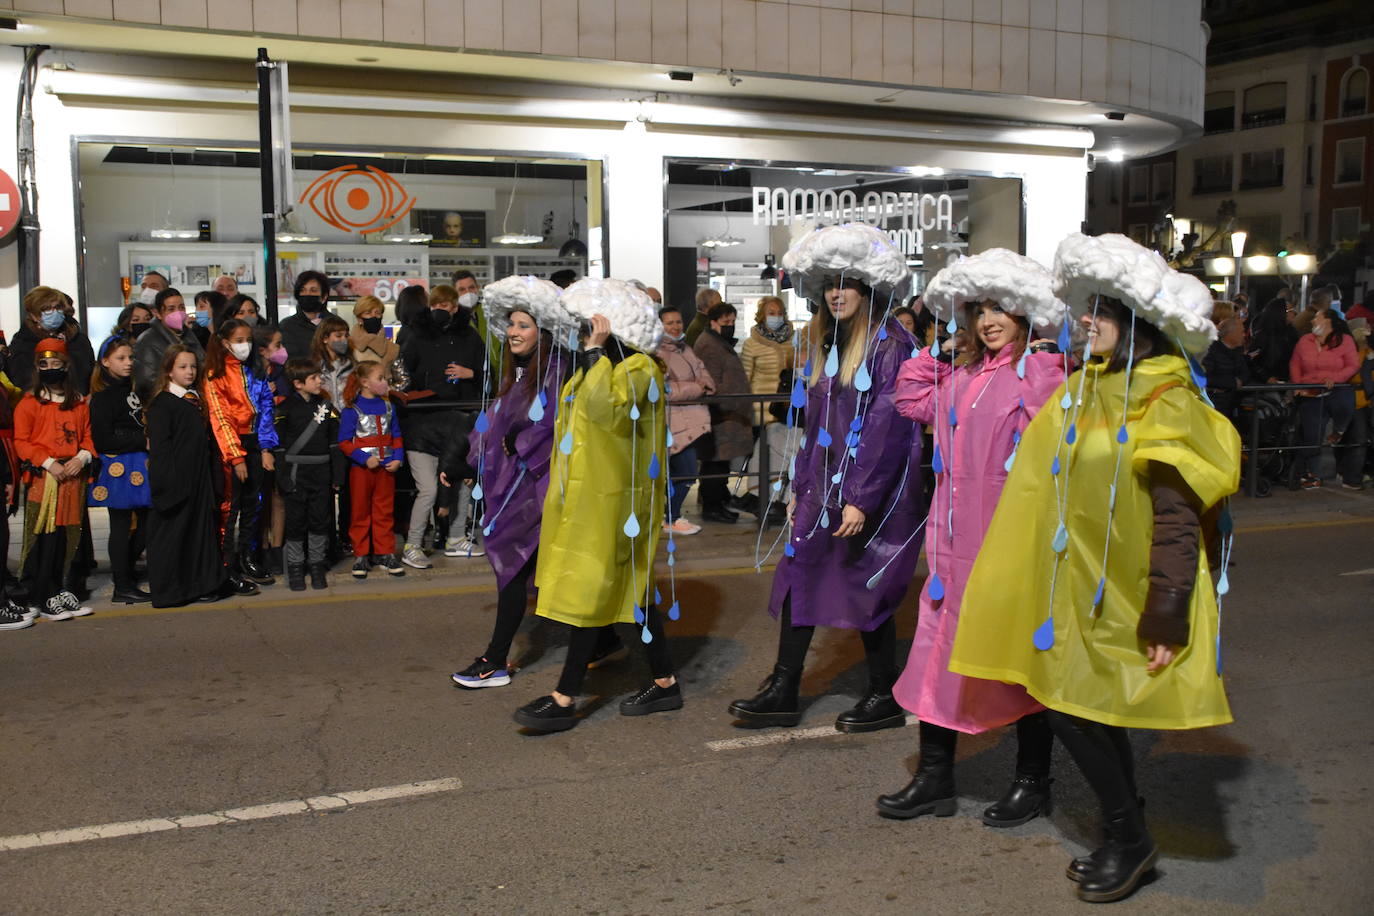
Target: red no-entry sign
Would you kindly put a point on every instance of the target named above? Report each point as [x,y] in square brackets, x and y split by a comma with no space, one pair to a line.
[9,204]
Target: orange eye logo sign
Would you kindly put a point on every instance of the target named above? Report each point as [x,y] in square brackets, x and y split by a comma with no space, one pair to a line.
[354,198]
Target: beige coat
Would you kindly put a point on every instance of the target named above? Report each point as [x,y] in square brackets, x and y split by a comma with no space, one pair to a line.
[687,380]
[378,348]
[764,360]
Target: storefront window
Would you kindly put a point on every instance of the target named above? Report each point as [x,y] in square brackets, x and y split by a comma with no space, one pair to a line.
[727,219]
[374,222]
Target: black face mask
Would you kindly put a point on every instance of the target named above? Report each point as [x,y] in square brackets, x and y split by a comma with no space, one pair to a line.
[138,327]
[440,317]
[728,332]
[309,303]
[52,377]
[371,325]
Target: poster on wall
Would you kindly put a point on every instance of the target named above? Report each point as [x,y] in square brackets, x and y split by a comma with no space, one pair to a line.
[453,228]
[384,288]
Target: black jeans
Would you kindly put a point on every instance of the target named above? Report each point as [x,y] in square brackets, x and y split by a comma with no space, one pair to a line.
[511,602]
[714,491]
[1339,405]
[880,648]
[584,642]
[126,543]
[1103,754]
[241,522]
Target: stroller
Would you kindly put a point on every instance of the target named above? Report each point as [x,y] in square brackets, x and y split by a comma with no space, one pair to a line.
[1278,439]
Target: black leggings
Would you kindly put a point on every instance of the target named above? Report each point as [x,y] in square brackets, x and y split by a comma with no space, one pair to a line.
[241,522]
[584,642]
[125,546]
[1103,754]
[511,602]
[1034,744]
[880,647]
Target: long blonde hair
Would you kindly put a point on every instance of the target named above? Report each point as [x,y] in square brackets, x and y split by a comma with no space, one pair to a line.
[859,326]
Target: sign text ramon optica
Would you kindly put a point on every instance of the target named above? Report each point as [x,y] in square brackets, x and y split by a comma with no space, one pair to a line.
[918,213]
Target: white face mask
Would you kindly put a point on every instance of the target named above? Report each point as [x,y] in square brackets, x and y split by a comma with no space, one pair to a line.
[774,321]
[241,350]
[468,300]
[147,295]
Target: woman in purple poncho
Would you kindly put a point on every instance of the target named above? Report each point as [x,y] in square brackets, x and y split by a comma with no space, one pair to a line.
[514,454]
[857,506]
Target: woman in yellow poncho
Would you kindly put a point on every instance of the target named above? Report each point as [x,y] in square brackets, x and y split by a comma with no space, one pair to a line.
[604,507]
[1092,588]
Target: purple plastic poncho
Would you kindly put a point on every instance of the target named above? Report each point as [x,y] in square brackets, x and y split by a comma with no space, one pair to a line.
[827,577]
[513,486]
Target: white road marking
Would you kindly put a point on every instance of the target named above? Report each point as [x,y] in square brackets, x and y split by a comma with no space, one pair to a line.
[781,737]
[1360,572]
[228,816]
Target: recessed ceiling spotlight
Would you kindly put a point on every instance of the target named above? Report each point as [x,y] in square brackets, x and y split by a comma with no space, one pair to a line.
[682,76]
[367,60]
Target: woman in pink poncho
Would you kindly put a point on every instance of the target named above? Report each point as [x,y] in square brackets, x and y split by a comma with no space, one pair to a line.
[978,403]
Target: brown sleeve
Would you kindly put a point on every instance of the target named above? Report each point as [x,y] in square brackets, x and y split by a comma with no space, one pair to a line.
[1173,558]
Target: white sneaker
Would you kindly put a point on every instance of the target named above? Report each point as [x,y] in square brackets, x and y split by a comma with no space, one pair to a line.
[54,609]
[463,547]
[683,527]
[414,556]
[73,604]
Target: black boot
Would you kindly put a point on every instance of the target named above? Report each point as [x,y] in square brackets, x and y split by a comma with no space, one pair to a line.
[776,703]
[1083,865]
[931,790]
[318,579]
[250,570]
[875,711]
[1027,797]
[295,577]
[1119,866]
[274,562]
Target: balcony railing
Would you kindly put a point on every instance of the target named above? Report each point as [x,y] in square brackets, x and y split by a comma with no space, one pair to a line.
[1264,118]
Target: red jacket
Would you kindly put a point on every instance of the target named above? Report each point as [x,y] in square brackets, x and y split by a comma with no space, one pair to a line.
[239,404]
[1312,362]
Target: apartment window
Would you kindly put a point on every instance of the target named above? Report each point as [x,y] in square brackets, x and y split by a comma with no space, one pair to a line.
[1354,92]
[1265,105]
[1350,160]
[1140,184]
[1162,182]
[1219,112]
[1212,174]
[1345,224]
[1262,169]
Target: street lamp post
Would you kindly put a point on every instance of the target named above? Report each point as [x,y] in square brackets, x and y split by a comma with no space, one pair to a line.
[1237,249]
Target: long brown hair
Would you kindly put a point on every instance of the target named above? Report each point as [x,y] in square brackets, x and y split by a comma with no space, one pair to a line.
[973,354]
[1149,340]
[98,374]
[539,365]
[319,350]
[164,375]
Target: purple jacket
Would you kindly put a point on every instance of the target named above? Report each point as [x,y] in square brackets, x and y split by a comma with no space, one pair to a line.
[514,485]
[827,577]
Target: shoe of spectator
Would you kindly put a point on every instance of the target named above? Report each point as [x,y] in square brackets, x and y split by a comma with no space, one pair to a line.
[12,619]
[682,526]
[414,556]
[482,673]
[54,609]
[1310,482]
[14,607]
[295,577]
[463,547]
[360,568]
[719,514]
[250,571]
[242,586]
[71,603]
[391,565]
[318,577]
[1352,486]
[131,595]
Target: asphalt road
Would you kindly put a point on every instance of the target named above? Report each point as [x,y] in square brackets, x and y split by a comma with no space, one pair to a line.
[130,716]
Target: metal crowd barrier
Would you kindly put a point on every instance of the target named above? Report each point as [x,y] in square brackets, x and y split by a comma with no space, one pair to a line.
[1251,446]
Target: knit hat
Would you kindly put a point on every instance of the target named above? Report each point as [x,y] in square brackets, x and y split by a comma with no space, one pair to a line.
[1019,285]
[538,297]
[853,250]
[1113,265]
[631,312]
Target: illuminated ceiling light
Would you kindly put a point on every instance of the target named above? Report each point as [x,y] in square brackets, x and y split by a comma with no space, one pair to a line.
[168,232]
[517,238]
[1116,155]
[407,237]
[721,241]
[1297,264]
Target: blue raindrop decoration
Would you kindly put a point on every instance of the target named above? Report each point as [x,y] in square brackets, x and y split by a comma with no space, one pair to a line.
[935,349]
[1067,400]
[832,362]
[916,351]
[823,437]
[835,477]
[482,424]
[852,440]
[953,417]
[674,611]
[639,615]
[565,444]
[1071,434]
[1224,583]
[1121,435]
[477,490]
[1101,588]
[672,544]
[652,393]
[937,461]
[654,467]
[798,393]
[1044,635]
[658,596]
[937,588]
[1011,459]
[862,380]
[873,579]
[631,527]
[789,551]
[1060,542]
[1064,340]
[634,411]
[882,332]
[825,518]
[857,423]
[536,411]
[645,636]
[951,327]
[668,439]
[486,532]
[1021,363]
[1054,466]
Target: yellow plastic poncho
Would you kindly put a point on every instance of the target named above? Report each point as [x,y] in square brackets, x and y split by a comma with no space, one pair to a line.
[590,572]
[1096,667]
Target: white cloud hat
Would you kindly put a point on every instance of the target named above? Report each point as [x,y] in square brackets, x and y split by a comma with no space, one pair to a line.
[855,250]
[533,295]
[633,315]
[1020,285]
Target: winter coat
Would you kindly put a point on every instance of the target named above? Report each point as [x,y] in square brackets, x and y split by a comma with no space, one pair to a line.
[334,375]
[298,414]
[239,404]
[44,432]
[764,360]
[149,349]
[513,458]
[1313,362]
[732,424]
[80,357]
[117,419]
[378,348]
[974,455]
[827,577]
[427,352]
[298,332]
[687,380]
[1226,367]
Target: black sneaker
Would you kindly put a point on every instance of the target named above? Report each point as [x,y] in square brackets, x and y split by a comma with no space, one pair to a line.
[652,699]
[392,565]
[482,673]
[545,715]
[12,619]
[360,568]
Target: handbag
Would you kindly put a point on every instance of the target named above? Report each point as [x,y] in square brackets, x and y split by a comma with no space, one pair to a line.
[122,482]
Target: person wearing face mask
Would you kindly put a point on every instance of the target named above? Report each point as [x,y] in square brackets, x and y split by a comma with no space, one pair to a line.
[121,486]
[1327,356]
[45,317]
[446,359]
[239,404]
[732,434]
[687,380]
[311,292]
[133,321]
[369,342]
[151,284]
[169,327]
[331,351]
[768,352]
[208,306]
[242,307]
